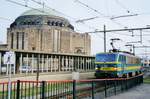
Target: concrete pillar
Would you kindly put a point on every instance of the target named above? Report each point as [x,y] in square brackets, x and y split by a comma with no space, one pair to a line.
[78,67]
[47,63]
[0,62]
[59,63]
[69,61]
[66,64]
[55,63]
[62,63]
[53,69]
[51,63]
[75,63]
[72,63]
[83,65]
[87,64]
[91,64]
[27,62]
[32,64]
[15,65]
[42,63]
[21,63]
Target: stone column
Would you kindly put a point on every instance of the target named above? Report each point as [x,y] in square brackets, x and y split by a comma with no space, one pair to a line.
[53,68]
[83,65]
[66,61]
[21,63]
[73,65]
[59,63]
[51,63]
[93,64]
[42,63]
[33,61]
[62,63]
[47,63]
[55,63]
[15,64]
[27,62]
[87,64]
[78,64]
[69,61]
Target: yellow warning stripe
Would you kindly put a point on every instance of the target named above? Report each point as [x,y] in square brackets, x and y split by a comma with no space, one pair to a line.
[132,67]
[107,62]
[118,68]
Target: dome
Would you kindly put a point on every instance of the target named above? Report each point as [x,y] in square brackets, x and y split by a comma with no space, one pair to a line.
[38,17]
[47,12]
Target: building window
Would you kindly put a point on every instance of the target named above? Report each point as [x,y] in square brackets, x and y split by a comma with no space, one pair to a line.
[53,23]
[17,46]
[33,48]
[79,51]
[12,40]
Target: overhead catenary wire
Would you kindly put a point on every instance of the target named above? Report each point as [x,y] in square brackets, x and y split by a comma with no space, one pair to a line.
[45,12]
[42,11]
[70,17]
[25,5]
[123,6]
[123,16]
[98,12]
[63,14]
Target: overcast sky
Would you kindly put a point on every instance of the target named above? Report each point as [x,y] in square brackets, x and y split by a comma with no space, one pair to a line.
[101,10]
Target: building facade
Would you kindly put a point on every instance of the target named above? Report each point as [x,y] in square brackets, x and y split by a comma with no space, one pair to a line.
[45,40]
[46,32]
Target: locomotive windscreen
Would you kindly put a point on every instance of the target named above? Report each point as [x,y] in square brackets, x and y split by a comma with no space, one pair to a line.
[106,57]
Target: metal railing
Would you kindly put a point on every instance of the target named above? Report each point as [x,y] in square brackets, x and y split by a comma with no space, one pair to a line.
[68,89]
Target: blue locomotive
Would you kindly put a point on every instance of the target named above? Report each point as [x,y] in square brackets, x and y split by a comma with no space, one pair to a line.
[117,64]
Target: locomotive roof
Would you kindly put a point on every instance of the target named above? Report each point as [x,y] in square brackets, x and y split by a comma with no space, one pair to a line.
[121,53]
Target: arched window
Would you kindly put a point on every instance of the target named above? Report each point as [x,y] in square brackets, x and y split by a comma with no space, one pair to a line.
[56,23]
[53,23]
[79,51]
[60,24]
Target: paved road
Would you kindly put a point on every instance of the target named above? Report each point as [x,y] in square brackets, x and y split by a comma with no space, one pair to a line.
[139,92]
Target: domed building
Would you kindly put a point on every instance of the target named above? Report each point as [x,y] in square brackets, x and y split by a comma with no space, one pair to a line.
[46,31]
[45,41]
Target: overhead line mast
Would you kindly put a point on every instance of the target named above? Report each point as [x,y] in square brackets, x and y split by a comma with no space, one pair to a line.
[115,30]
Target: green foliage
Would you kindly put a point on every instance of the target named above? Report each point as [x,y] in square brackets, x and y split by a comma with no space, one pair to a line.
[146,80]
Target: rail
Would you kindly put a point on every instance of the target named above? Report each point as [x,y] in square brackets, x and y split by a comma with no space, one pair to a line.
[68,89]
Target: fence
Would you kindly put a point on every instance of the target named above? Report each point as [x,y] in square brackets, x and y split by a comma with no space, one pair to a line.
[69,89]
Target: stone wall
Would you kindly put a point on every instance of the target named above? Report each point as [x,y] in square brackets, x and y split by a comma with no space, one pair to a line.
[48,39]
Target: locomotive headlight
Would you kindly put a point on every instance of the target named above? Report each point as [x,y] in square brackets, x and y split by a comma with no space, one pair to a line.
[96,68]
[115,68]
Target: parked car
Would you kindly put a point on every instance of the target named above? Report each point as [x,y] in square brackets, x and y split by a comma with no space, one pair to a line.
[25,68]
